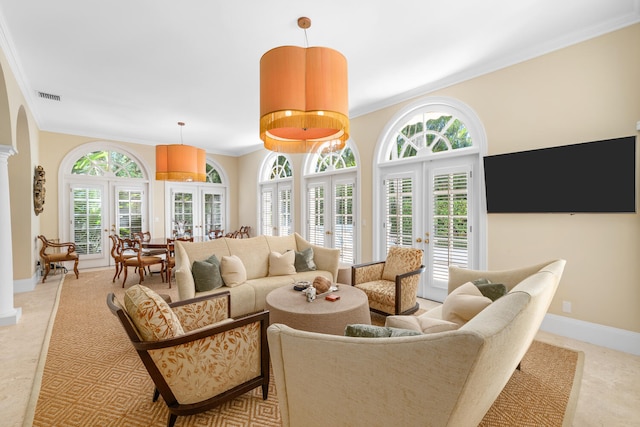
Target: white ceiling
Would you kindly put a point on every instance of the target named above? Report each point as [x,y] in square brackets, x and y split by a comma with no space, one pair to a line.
[129,70]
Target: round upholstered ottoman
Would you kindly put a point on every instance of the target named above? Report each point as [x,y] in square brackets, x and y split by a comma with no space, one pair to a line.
[290,307]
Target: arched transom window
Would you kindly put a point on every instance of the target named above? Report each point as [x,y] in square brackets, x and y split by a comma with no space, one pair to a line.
[107,163]
[428,133]
[276,196]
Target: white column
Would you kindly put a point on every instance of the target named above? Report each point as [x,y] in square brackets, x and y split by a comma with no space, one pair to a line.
[8,314]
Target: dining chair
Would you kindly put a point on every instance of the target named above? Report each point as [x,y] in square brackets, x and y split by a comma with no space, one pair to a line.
[118,255]
[170,259]
[216,234]
[145,237]
[243,232]
[139,260]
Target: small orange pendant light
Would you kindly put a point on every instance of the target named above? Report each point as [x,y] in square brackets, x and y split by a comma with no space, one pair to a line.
[178,162]
[303,98]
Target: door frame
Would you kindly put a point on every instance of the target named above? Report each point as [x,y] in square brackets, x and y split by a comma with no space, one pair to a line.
[66,179]
[198,191]
[329,181]
[381,164]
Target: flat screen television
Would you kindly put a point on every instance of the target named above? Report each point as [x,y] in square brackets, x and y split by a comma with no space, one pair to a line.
[593,177]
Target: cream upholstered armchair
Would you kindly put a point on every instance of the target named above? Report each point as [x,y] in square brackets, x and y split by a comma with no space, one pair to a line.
[391,285]
[197,356]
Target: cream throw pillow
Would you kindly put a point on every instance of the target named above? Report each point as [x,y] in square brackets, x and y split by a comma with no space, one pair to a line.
[232,271]
[282,264]
[426,325]
[463,304]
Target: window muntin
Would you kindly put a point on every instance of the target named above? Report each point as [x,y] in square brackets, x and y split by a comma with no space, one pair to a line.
[428,133]
[103,163]
[213,176]
[330,161]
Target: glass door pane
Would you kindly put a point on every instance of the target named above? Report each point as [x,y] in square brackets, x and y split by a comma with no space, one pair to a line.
[212,211]
[448,227]
[399,212]
[89,224]
[130,212]
[316,214]
[267,225]
[285,225]
[182,212]
[343,221]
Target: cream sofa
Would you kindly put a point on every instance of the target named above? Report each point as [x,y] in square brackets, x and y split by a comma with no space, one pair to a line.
[249,296]
[439,379]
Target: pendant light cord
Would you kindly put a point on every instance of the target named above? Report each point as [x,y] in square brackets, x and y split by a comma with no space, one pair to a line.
[181,124]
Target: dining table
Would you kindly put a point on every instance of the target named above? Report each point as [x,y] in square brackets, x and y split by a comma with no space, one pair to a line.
[161,242]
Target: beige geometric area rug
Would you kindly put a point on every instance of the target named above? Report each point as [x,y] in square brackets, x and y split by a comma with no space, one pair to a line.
[93,376]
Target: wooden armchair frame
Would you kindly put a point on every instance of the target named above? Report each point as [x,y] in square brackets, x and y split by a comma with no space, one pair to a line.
[202,333]
[51,258]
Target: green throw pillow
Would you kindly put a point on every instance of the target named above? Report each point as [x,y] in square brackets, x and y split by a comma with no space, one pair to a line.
[371,331]
[304,260]
[493,291]
[206,274]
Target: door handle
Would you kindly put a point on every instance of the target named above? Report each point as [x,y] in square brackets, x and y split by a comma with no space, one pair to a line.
[329,233]
[419,240]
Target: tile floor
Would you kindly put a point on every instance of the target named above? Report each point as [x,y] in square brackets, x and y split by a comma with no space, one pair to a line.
[609,394]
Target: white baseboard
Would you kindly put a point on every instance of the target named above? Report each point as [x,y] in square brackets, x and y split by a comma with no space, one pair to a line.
[25,285]
[605,336]
[11,318]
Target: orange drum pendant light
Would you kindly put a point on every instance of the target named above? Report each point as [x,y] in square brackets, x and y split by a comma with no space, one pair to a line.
[178,162]
[303,98]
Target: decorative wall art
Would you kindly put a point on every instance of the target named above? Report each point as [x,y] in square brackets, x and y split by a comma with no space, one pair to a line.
[38,190]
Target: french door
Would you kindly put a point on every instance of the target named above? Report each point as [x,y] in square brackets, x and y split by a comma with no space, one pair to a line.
[331,214]
[97,209]
[429,205]
[201,208]
[276,206]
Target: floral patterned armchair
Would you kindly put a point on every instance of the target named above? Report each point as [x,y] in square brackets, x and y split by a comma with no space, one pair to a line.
[197,356]
[391,285]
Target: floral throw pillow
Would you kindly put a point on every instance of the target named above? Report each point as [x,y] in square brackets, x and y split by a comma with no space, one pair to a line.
[152,316]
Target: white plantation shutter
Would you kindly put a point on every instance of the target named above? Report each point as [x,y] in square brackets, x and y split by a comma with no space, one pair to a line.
[316,214]
[266,210]
[87,219]
[343,228]
[398,212]
[284,211]
[449,236]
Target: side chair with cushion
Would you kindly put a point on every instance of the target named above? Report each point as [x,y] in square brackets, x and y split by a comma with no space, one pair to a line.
[53,253]
[138,260]
[118,255]
[391,285]
[145,237]
[170,258]
[197,356]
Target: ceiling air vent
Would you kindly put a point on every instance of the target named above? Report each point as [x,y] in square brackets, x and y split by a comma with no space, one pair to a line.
[49,96]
